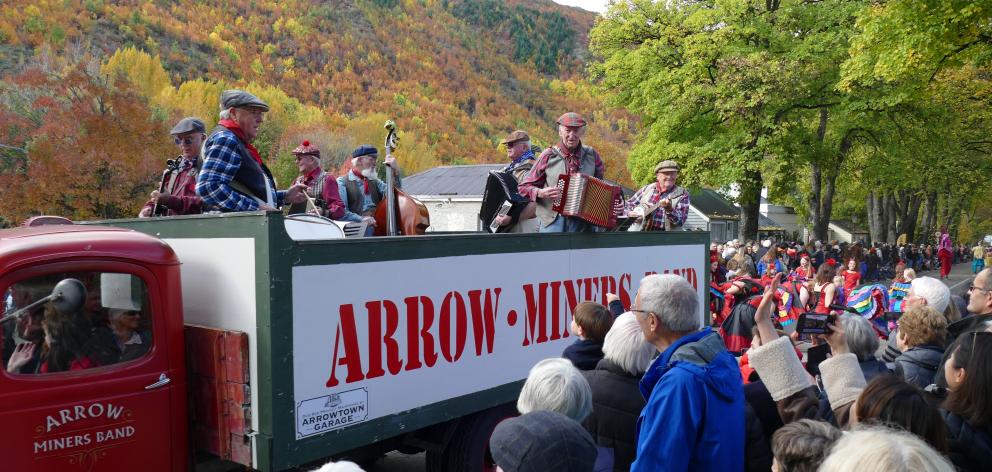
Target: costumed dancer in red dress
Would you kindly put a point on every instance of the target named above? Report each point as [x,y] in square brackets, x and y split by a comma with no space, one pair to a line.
[945,253]
[851,276]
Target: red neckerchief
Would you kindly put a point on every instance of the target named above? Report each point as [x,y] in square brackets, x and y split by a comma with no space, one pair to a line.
[310,177]
[358,174]
[240,133]
[571,156]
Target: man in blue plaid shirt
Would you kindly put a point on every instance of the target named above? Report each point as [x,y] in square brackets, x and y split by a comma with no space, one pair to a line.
[233,177]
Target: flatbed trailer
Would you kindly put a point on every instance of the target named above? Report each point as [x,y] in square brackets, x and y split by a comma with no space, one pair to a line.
[300,351]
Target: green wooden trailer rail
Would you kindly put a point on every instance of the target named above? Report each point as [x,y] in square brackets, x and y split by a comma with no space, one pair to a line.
[275,255]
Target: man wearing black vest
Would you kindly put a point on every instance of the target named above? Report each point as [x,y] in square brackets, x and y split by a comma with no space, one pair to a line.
[360,189]
[569,156]
[233,177]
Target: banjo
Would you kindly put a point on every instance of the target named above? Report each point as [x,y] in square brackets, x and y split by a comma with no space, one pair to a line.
[642,223]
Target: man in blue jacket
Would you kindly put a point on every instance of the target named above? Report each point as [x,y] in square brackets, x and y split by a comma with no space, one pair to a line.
[694,416]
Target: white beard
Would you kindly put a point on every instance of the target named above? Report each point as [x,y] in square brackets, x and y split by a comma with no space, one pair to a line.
[370,173]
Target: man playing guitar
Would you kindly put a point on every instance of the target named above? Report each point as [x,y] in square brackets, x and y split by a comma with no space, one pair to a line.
[660,205]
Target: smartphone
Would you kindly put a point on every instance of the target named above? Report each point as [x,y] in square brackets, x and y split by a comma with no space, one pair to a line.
[814,323]
[814,356]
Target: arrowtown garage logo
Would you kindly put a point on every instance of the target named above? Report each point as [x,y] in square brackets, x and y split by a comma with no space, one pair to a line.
[330,412]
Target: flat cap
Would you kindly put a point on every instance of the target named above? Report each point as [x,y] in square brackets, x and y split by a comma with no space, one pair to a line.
[365,150]
[516,136]
[188,125]
[307,149]
[571,119]
[666,165]
[542,441]
[241,99]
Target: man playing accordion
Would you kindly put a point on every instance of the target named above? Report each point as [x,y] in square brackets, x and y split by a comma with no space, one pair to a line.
[661,205]
[569,156]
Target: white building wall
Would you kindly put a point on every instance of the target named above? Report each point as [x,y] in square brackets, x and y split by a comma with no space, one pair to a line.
[452,213]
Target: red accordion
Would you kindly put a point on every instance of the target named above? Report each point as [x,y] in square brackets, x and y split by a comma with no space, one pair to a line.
[591,199]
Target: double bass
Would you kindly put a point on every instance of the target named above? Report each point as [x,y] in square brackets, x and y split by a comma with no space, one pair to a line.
[398,213]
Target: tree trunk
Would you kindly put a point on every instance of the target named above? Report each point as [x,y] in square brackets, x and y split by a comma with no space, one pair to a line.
[870,211]
[876,217]
[911,209]
[929,217]
[750,201]
[890,210]
[827,202]
[954,215]
[815,186]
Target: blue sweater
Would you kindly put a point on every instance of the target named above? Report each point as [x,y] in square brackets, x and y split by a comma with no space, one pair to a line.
[694,417]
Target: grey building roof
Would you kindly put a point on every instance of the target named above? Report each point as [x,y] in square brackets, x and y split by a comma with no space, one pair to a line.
[468,180]
[849,226]
[767,224]
[462,181]
[713,205]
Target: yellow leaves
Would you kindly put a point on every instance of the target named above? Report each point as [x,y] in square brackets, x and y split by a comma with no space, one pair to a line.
[143,71]
[257,67]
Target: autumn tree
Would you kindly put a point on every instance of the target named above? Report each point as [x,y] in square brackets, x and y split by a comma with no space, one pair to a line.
[96,152]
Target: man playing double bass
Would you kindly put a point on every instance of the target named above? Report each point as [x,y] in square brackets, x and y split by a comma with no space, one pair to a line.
[661,205]
[321,186]
[178,191]
[360,189]
[569,156]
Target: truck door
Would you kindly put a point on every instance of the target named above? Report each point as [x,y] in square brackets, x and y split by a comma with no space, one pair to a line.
[85,387]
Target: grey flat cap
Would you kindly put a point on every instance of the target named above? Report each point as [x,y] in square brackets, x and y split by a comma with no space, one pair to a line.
[666,166]
[188,125]
[240,98]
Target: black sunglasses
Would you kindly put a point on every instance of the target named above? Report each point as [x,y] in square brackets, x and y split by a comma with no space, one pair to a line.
[187,140]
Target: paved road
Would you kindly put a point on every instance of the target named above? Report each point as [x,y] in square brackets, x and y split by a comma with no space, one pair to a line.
[958,280]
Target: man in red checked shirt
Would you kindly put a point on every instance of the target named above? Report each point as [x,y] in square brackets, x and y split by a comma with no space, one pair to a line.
[569,156]
[662,205]
[320,186]
[178,195]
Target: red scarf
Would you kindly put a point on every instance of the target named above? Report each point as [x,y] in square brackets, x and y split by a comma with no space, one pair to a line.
[240,133]
[365,181]
[572,157]
[309,178]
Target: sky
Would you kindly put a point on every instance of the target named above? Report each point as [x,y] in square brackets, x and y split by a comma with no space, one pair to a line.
[591,5]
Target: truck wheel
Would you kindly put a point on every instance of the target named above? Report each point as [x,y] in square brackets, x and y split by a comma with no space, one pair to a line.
[469,448]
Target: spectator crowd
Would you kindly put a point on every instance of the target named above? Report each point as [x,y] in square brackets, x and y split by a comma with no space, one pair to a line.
[651,387]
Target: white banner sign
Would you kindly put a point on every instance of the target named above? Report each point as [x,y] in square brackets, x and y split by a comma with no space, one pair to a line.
[378,338]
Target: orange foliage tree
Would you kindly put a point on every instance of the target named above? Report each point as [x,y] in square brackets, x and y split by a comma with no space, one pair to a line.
[95,152]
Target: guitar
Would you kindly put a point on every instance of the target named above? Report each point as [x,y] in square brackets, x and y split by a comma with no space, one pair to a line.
[642,224]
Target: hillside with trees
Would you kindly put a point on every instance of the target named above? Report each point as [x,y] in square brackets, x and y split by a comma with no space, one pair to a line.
[90,88]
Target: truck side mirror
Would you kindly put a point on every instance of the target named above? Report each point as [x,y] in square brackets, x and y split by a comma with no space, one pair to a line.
[68,296]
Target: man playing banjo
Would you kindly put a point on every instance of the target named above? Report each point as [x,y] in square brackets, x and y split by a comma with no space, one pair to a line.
[661,205]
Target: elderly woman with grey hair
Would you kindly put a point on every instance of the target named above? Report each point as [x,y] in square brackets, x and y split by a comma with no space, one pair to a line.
[863,343]
[556,385]
[616,398]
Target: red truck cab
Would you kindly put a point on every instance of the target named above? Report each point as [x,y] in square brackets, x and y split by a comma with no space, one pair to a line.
[105,385]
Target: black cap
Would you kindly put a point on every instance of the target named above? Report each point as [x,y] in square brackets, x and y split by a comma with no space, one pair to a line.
[365,150]
[188,125]
[241,99]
